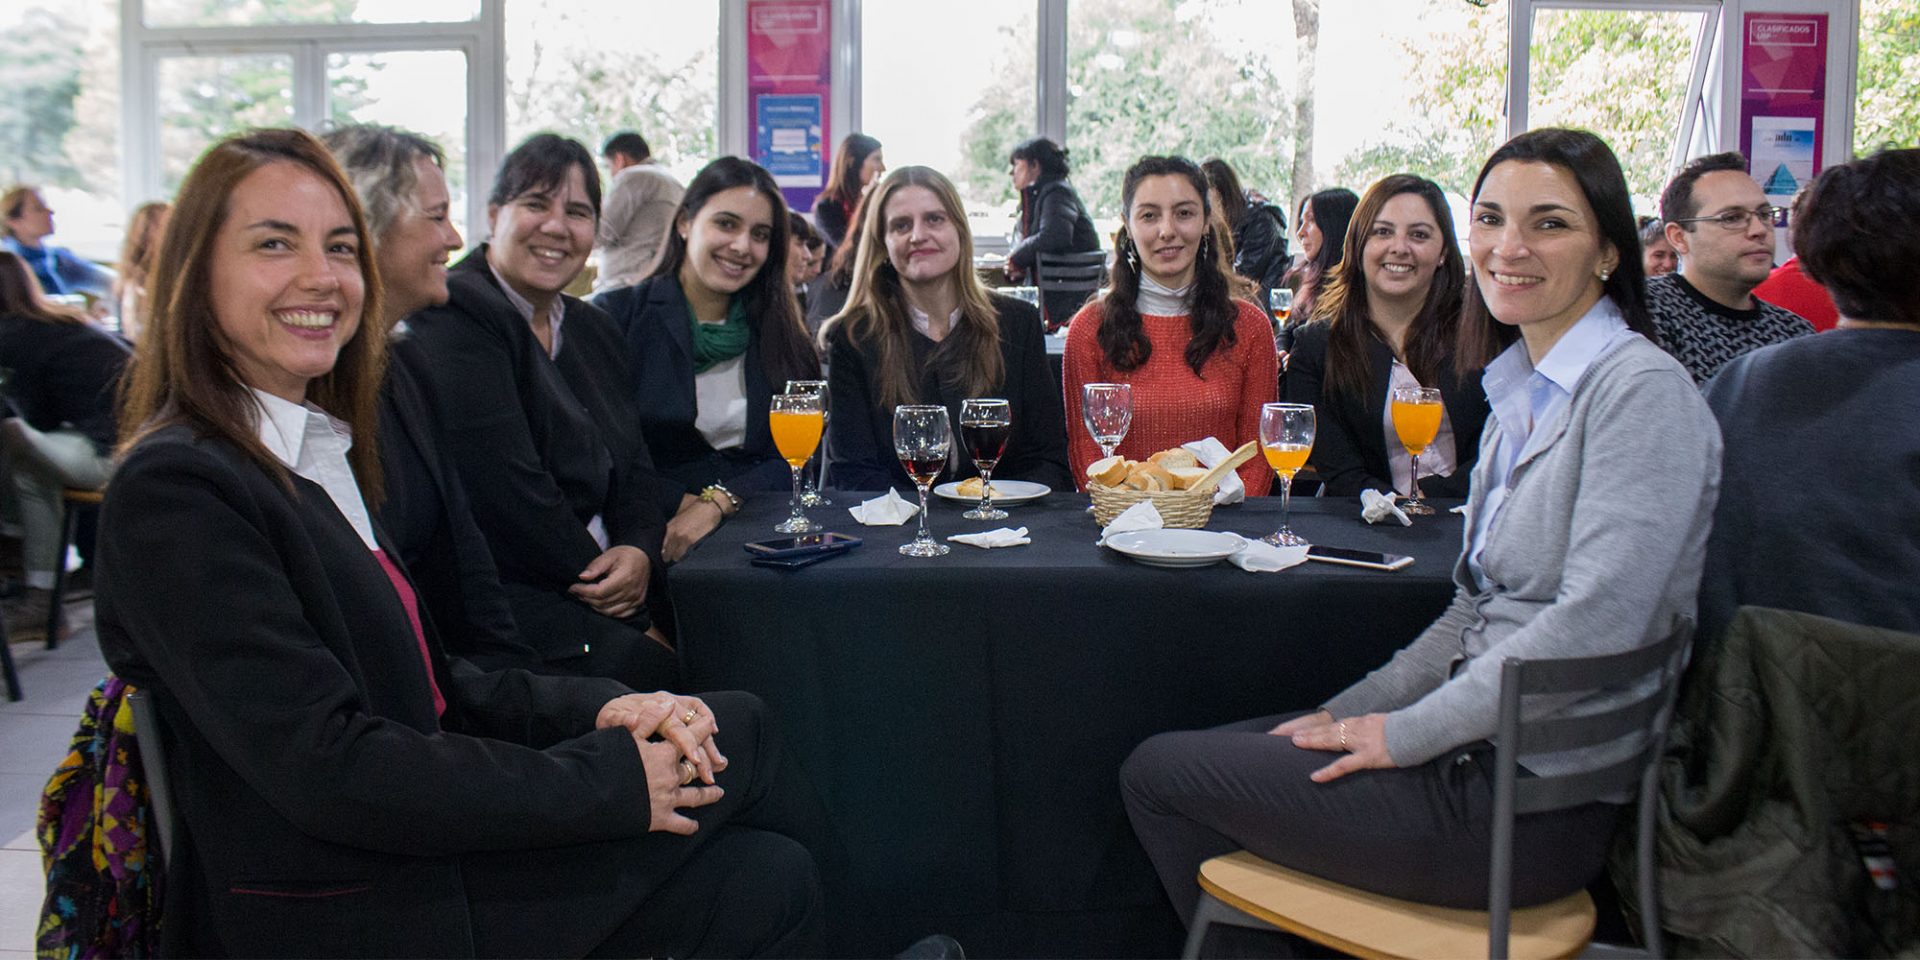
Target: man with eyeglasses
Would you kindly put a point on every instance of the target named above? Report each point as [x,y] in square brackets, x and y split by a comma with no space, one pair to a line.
[1722,226]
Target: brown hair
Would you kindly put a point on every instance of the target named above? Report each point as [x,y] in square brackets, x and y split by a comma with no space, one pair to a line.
[21,296]
[136,251]
[1847,229]
[1343,301]
[13,203]
[876,310]
[183,370]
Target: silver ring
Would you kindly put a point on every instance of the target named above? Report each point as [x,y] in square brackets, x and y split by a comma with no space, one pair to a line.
[1343,735]
[687,772]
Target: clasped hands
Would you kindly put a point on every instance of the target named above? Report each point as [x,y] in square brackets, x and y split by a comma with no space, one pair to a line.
[1362,741]
[681,763]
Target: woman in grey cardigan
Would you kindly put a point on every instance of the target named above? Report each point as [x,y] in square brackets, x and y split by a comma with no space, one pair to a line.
[1585,535]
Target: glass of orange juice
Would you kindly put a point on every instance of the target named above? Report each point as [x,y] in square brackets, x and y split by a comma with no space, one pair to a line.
[1286,436]
[796,421]
[1416,418]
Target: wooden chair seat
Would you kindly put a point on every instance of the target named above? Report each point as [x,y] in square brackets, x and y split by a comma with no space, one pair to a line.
[81,495]
[1373,926]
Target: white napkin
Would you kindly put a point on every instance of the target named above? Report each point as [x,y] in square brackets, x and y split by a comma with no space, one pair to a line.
[1140,516]
[1002,537]
[1376,506]
[1209,452]
[1461,510]
[887,511]
[1261,557]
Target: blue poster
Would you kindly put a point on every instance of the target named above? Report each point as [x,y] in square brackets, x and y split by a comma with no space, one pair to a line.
[788,139]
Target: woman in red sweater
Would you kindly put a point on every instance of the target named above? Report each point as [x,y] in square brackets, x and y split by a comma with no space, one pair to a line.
[1201,363]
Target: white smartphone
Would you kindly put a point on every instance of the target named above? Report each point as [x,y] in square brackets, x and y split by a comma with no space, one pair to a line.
[1358,558]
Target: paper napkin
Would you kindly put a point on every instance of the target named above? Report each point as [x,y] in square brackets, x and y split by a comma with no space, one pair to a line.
[1376,506]
[887,511]
[1002,537]
[1140,516]
[1209,452]
[1260,557]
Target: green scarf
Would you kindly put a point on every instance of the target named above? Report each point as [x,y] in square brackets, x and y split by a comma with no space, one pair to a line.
[715,343]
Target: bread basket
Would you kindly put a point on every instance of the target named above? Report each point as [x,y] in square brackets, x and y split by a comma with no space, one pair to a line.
[1188,509]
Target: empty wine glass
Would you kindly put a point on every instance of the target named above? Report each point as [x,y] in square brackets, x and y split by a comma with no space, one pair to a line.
[985,425]
[1286,436]
[1107,409]
[922,438]
[816,477]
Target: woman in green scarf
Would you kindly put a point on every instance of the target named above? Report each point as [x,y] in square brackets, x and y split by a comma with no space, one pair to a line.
[712,334]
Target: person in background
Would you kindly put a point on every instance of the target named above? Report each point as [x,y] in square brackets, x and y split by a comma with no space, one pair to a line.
[641,199]
[919,327]
[803,246]
[1389,315]
[149,220]
[1052,221]
[1321,229]
[856,164]
[1655,252]
[1585,535]
[827,293]
[1259,229]
[533,391]
[1201,363]
[1789,288]
[1722,226]
[25,224]
[61,374]
[1820,511]
[711,336]
[429,807]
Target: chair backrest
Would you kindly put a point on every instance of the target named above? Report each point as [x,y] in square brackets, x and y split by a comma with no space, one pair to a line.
[153,763]
[1070,272]
[1519,737]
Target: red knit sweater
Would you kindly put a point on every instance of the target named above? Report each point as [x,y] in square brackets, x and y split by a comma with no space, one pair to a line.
[1171,406]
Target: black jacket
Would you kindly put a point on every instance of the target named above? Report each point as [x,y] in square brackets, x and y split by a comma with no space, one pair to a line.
[63,373]
[860,436]
[324,808]
[542,444]
[831,220]
[652,316]
[1260,247]
[1350,442]
[1053,220]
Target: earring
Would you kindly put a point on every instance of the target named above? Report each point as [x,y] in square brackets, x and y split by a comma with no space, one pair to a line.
[1604,274]
[1205,240]
[1133,255]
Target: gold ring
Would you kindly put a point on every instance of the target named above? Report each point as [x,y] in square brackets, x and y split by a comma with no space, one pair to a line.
[687,772]
[688,717]
[1343,735]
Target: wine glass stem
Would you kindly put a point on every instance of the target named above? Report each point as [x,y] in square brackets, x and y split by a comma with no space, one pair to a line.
[1286,502]
[986,486]
[1413,484]
[925,535]
[796,493]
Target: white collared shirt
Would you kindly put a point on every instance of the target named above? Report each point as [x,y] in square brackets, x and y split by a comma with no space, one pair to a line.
[923,322]
[313,444]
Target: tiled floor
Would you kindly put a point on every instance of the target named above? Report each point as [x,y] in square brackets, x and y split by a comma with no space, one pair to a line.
[33,739]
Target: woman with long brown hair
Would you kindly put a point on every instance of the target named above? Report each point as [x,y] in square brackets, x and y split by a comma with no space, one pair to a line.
[1387,319]
[856,165]
[345,787]
[919,327]
[136,265]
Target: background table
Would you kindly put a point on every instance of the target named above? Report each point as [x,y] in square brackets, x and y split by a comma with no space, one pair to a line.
[965,717]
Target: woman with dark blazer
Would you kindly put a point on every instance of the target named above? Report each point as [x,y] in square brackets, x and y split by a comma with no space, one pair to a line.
[715,332]
[920,328]
[1387,318]
[341,786]
[533,391]
[1052,220]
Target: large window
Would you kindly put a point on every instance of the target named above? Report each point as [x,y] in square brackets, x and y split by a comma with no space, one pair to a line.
[1887,111]
[60,115]
[424,91]
[958,105]
[204,98]
[220,13]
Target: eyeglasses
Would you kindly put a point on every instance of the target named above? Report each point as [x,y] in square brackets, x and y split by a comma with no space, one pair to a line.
[1736,219]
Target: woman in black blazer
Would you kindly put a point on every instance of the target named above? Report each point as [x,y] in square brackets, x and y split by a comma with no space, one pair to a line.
[920,328]
[1387,315]
[342,787]
[715,332]
[533,391]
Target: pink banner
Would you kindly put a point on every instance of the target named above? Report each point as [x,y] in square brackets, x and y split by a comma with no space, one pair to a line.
[789,89]
[1783,93]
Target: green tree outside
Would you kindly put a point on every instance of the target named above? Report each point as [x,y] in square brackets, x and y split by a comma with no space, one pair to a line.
[1887,111]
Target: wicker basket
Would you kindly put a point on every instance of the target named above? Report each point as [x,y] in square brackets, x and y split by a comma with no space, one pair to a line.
[1181,509]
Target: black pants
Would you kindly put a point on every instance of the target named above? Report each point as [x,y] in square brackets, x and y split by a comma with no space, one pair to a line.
[742,886]
[1421,833]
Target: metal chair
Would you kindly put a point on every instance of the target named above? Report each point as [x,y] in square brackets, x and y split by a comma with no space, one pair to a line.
[1075,273]
[153,764]
[72,500]
[1244,890]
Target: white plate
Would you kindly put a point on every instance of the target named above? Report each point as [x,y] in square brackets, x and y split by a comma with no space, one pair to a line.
[1006,493]
[1177,548]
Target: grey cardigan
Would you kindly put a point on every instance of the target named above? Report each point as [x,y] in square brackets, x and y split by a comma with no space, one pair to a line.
[1597,549]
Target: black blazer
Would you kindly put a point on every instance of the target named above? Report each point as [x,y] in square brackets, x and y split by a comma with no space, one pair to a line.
[542,444]
[324,807]
[1350,445]
[653,318]
[63,373]
[860,436]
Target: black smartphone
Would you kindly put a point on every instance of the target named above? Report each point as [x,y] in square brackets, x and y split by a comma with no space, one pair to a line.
[798,560]
[1358,558]
[802,545]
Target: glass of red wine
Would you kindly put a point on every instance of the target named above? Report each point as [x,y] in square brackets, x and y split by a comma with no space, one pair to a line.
[922,439]
[985,426]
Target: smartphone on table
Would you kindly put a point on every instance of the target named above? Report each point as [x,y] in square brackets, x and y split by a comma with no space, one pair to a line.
[1371,560]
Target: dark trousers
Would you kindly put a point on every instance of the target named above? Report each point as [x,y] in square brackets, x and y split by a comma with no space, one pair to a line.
[1421,833]
[744,885]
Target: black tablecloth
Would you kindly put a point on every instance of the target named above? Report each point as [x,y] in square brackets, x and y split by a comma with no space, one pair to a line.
[965,717]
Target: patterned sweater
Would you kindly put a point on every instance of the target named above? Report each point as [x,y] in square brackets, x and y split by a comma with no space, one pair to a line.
[1704,334]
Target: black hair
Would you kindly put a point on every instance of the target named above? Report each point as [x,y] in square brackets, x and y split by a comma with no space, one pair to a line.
[629,143]
[1122,336]
[1332,213]
[843,182]
[1652,230]
[1226,183]
[1849,232]
[1050,156]
[539,164]
[1676,201]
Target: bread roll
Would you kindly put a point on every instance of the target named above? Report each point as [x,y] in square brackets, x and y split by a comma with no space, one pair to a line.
[1175,459]
[1185,477]
[1162,479]
[1110,472]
